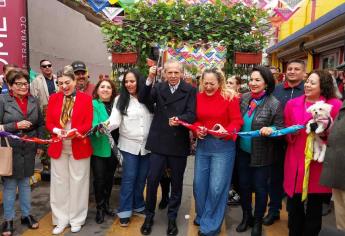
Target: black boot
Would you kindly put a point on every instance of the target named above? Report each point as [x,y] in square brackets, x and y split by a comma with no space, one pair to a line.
[247,221]
[100,216]
[257,227]
[146,228]
[109,211]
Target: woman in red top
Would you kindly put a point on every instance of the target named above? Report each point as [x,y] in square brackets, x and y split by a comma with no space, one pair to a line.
[69,112]
[214,160]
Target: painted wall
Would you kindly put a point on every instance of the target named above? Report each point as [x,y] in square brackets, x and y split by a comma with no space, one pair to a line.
[62,35]
[302,16]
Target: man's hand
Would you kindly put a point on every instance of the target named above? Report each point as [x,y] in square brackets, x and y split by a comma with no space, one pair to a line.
[24,124]
[173,121]
[152,73]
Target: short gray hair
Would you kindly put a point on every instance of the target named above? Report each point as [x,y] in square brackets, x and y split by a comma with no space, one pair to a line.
[173,61]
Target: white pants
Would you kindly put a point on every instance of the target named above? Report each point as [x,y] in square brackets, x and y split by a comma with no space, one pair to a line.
[339,208]
[69,189]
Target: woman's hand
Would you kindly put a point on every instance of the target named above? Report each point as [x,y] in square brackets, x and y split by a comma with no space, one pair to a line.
[222,132]
[266,131]
[39,152]
[24,124]
[201,132]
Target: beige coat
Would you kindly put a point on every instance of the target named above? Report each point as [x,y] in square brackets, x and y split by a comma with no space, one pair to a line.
[39,89]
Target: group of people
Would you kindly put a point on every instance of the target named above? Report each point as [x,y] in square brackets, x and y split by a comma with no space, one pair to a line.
[144,122]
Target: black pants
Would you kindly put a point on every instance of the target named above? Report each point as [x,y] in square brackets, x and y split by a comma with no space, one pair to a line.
[158,163]
[275,187]
[103,175]
[305,218]
[165,186]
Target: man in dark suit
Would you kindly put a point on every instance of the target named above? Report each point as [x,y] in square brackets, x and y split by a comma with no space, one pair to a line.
[167,140]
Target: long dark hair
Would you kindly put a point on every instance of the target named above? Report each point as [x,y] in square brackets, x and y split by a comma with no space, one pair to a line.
[123,102]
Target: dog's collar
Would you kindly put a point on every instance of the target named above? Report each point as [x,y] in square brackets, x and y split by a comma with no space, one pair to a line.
[327,121]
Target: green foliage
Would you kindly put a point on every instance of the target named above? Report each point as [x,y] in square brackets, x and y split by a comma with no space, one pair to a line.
[239,28]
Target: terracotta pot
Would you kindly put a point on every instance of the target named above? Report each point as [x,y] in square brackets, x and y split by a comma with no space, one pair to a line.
[248,57]
[125,58]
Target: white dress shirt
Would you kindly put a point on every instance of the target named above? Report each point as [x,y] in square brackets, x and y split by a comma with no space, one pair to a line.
[134,127]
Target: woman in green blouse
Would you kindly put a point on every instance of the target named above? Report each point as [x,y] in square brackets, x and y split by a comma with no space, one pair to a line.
[103,161]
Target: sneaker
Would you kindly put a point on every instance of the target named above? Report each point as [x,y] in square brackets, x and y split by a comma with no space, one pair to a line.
[124,222]
[59,229]
[75,229]
[234,198]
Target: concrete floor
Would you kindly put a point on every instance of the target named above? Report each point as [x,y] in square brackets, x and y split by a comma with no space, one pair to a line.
[41,210]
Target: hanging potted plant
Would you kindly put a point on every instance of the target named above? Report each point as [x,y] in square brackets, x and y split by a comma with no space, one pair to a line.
[123,53]
[248,50]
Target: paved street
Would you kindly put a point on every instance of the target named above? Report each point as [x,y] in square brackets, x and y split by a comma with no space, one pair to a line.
[41,209]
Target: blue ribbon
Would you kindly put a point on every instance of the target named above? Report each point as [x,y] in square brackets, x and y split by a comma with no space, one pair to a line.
[276,133]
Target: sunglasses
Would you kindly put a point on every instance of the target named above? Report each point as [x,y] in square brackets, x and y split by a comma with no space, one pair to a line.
[46,66]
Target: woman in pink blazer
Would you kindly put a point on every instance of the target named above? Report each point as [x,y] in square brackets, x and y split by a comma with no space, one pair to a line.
[69,112]
[301,221]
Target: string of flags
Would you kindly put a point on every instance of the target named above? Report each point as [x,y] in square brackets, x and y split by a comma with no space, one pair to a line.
[280,10]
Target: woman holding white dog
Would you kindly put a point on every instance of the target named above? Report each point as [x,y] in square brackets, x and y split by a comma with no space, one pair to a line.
[301,221]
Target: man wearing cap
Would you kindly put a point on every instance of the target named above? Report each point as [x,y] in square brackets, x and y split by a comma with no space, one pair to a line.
[44,84]
[82,78]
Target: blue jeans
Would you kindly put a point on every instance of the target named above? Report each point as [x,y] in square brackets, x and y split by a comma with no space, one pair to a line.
[252,179]
[214,162]
[134,173]
[24,191]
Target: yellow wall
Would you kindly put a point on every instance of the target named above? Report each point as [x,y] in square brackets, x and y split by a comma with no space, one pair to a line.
[302,16]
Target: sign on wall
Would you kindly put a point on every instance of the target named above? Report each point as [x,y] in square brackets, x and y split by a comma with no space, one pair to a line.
[13,33]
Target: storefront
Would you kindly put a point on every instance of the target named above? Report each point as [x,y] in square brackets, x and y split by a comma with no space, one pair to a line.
[320,43]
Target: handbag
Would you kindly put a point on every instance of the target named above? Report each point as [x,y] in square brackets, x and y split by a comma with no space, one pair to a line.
[6,159]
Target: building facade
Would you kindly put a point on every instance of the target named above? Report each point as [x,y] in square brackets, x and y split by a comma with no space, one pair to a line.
[315,34]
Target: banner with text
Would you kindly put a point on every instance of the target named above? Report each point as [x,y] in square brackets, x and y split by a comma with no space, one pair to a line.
[13,33]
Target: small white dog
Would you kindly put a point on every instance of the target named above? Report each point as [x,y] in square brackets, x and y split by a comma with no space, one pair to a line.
[319,124]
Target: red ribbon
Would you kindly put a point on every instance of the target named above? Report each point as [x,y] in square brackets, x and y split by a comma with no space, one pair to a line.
[209,131]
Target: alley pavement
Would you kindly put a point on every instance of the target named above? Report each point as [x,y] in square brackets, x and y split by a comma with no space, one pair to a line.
[41,210]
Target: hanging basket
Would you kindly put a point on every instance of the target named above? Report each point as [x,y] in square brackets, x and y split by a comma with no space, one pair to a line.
[125,58]
[248,57]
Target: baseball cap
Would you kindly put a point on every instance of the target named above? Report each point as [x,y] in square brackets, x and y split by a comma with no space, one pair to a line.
[78,66]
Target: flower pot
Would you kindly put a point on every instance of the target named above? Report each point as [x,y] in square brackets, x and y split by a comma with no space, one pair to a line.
[248,57]
[125,58]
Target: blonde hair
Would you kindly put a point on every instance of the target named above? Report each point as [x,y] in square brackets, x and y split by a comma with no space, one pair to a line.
[226,93]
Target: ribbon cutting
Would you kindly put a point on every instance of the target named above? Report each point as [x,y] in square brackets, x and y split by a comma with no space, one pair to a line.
[253,134]
[76,134]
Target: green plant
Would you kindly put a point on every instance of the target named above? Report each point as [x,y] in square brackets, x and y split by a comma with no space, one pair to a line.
[239,28]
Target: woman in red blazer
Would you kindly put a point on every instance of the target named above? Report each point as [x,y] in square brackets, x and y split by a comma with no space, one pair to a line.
[68,113]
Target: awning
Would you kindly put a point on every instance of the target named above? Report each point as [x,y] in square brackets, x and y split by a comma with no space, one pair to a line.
[327,18]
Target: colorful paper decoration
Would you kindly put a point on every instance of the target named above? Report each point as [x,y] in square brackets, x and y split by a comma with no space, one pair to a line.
[292,4]
[199,57]
[285,13]
[112,12]
[98,5]
[113,1]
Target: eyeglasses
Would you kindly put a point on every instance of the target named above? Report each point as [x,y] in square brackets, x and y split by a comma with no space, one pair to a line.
[20,84]
[46,66]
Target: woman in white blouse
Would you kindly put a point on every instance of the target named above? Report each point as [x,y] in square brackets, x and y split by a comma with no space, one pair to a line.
[134,120]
